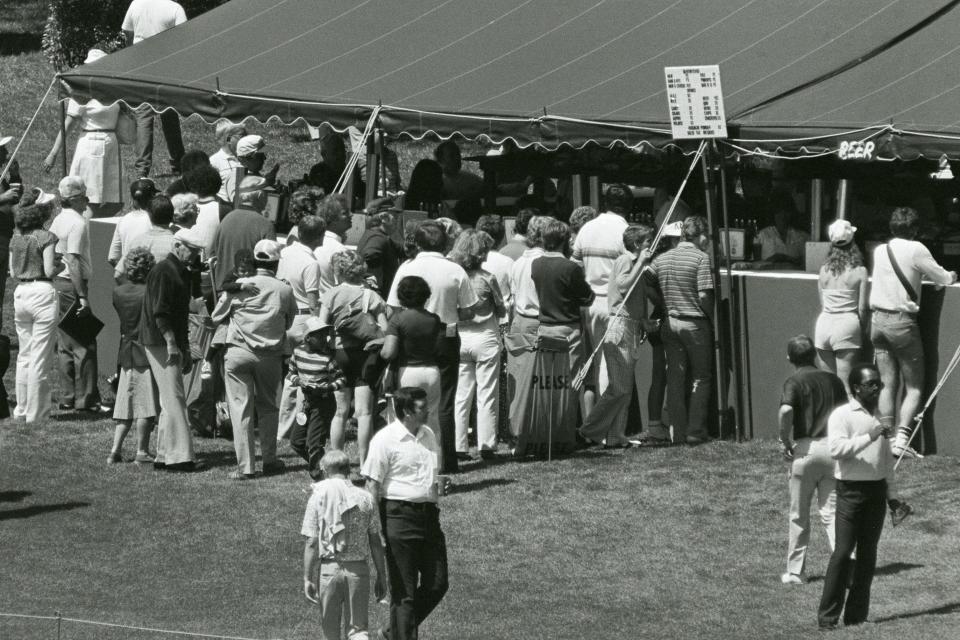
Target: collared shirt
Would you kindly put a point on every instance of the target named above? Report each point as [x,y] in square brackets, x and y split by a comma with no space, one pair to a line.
[857,456]
[771,243]
[358,521]
[915,261]
[132,224]
[157,241]
[525,300]
[227,164]
[449,285]
[619,285]
[599,243]
[499,266]
[515,247]
[683,273]
[166,304]
[73,237]
[331,244]
[208,219]
[299,268]
[561,288]
[258,322]
[813,395]
[404,464]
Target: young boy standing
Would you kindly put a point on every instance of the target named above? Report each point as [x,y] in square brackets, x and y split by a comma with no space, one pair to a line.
[314,370]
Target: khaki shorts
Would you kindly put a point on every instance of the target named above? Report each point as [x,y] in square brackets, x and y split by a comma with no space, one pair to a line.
[897,334]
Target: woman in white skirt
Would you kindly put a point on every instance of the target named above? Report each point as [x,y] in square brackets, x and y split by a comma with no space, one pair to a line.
[137,397]
[97,156]
[33,262]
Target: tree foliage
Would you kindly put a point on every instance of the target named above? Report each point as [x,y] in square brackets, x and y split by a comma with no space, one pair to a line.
[75,26]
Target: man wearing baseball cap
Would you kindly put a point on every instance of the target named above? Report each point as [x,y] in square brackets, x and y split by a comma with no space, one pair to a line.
[253,362]
[251,157]
[78,361]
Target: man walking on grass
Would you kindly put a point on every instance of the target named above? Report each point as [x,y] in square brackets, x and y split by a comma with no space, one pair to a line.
[809,397]
[342,527]
[401,472]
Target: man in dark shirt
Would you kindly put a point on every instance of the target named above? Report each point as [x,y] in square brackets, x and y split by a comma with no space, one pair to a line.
[242,228]
[562,289]
[683,274]
[164,335]
[380,250]
[809,396]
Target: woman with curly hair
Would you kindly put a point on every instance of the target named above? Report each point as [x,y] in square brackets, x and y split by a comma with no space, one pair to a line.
[843,298]
[305,201]
[357,360]
[479,347]
[33,261]
[137,398]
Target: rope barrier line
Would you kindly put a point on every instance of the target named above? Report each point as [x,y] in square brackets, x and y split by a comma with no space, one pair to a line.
[123,626]
[954,361]
[27,130]
[581,376]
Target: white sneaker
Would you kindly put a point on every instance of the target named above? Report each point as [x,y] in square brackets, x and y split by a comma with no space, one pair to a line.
[900,447]
[792,578]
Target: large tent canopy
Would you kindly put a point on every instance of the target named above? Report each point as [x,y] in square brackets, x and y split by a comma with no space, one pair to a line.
[797,76]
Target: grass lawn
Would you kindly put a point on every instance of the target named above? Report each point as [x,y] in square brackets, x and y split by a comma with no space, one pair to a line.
[678,543]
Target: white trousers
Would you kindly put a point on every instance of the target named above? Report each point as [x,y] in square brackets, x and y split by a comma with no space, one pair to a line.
[479,375]
[811,471]
[174,438]
[36,310]
[594,319]
[428,379]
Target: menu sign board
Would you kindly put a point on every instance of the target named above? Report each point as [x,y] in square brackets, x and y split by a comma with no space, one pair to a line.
[696,102]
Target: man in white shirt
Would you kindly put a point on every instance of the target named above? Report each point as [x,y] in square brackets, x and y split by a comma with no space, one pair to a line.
[299,268]
[227,135]
[401,472]
[78,361]
[894,330]
[145,19]
[598,245]
[453,299]
[336,214]
[864,473]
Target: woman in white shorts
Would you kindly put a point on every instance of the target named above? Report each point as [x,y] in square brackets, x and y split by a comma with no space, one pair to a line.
[843,284]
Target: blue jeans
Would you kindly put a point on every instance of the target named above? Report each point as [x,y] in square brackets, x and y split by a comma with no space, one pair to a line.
[688,343]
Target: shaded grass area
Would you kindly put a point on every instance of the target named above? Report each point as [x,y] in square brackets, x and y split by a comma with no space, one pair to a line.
[676,543]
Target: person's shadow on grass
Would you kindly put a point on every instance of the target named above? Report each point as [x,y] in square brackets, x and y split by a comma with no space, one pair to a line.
[38,509]
[891,569]
[13,496]
[944,609]
[467,487]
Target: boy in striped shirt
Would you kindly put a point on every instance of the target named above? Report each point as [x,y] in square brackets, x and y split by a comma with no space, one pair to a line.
[314,370]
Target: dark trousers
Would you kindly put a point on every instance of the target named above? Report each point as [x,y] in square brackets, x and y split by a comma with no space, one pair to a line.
[78,362]
[861,507]
[170,122]
[308,439]
[417,563]
[448,361]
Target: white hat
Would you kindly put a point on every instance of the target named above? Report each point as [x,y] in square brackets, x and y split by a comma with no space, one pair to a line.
[267,251]
[94,54]
[314,323]
[72,186]
[841,232]
[249,145]
[41,197]
[5,140]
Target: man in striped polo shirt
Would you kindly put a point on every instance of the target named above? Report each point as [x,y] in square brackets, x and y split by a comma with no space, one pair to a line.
[687,286]
[598,245]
